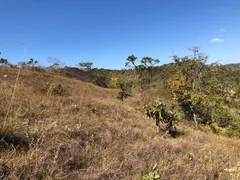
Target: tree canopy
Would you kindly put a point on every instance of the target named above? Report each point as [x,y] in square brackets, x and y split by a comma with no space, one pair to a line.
[85,65]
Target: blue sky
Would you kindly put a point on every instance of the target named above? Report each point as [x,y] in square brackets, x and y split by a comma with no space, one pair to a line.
[105,32]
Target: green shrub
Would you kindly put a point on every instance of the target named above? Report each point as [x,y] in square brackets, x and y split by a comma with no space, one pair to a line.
[100,78]
[125,89]
[158,110]
[222,117]
[55,89]
[152,175]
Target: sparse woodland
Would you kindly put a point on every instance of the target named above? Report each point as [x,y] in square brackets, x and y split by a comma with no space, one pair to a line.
[69,123]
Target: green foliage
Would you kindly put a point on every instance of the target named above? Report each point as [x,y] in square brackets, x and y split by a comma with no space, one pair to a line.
[201,91]
[92,108]
[85,65]
[152,175]
[188,157]
[3,61]
[11,65]
[158,110]
[131,60]
[99,77]
[55,89]
[144,70]
[221,116]
[230,130]
[191,68]
[125,89]
[32,63]
[149,62]
[58,89]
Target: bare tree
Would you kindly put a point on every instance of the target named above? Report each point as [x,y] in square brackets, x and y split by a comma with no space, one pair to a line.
[55,63]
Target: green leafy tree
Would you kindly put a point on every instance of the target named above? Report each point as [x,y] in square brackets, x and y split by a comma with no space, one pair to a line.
[3,62]
[100,77]
[131,61]
[149,62]
[200,91]
[144,70]
[183,86]
[85,65]
[192,67]
[32,63]
[158,110]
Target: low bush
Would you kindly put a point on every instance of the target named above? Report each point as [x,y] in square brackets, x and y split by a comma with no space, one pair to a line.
[56,89]
[125,89]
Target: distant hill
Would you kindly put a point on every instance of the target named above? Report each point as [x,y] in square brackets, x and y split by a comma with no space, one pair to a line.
[75,73]
[233,65]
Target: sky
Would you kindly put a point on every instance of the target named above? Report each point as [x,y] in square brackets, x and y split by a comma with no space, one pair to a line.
[106,32]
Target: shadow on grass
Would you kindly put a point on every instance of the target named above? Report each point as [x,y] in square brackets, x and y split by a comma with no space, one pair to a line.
[172,134]
[9,141]
[176,134]
[4,171]
[110,175]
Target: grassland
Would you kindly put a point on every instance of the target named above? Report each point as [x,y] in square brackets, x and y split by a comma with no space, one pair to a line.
[60,128]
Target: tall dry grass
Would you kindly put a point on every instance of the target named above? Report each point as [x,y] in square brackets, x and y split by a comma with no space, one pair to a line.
[87,133]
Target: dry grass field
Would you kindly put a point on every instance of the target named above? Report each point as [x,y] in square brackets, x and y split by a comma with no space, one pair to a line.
[60,128]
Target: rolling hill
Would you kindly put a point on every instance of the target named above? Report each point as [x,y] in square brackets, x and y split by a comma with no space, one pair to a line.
[55,127]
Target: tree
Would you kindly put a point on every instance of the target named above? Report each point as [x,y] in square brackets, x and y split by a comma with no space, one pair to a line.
[192,67]
[144,70]
[55,63]
[131,60]
[183,85]
[158,110]
[200,91]
[3,61]
[32,62]
[149,62]
[85,65]
[22,64]
[99,77]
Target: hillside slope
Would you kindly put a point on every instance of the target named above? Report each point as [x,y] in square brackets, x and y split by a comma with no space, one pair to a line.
[60,128]
[233,65]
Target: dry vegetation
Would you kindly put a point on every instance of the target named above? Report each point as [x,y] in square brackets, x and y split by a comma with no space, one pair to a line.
[60,128]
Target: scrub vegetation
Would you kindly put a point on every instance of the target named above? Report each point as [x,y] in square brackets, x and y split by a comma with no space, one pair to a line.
[68,123]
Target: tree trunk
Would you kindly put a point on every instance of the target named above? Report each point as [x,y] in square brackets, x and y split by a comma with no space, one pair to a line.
[157,122]
[195,119]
